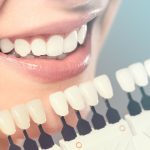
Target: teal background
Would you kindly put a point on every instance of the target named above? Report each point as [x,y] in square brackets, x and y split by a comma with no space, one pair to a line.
[129,38]
[128,42]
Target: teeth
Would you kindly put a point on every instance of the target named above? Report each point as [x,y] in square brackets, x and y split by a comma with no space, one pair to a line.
[139,74]
[59,103]
[70,42]
[103,86]
[89,93]
[36,111]
[75,98]
[7,125]
[55,45]
[82,34]
[125,80]
[6,45]
[38,47]
[147,66]
[22,47]
[21,116]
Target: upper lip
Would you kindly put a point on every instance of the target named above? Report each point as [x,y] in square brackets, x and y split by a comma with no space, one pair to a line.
[58,27]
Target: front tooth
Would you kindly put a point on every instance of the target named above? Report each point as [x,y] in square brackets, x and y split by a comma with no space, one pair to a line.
[36,111]
[103,86]
[7,125]
[89,93]
[139,74]
[6,45]
[75,98]
[38,47]
[82,34]
[70,42]
[147,66]
[22,47]
[55,45]
[59,104]
[21,116]
[125,80]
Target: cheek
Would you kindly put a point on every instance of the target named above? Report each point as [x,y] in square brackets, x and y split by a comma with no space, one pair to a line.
[1,2]
[96,38]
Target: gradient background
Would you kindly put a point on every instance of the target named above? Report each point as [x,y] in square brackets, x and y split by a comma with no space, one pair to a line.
[128,42]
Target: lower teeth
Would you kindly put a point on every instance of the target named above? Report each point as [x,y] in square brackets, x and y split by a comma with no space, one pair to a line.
[60,57]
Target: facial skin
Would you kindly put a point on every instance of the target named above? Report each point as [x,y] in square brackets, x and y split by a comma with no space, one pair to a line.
[19,18]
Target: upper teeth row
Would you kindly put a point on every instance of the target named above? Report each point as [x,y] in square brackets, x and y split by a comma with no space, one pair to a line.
[78,97]
[55,45]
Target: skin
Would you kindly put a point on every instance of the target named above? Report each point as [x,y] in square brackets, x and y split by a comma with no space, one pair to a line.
[12,81]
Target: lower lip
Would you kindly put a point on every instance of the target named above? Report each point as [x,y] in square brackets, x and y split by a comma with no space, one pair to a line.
[51,70]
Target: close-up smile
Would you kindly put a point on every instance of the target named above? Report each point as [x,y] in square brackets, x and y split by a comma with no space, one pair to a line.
[48,57]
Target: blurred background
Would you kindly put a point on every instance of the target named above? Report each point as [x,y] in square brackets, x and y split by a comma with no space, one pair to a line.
[128,42]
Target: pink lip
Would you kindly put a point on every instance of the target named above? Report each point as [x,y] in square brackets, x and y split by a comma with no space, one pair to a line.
[58,27]
[51,70]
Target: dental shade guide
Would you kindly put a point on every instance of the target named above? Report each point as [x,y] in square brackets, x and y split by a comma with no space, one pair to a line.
[83,126]
[90,95]
[12,146]
[98,120]
[140,76]
[133,106]
[67,131]
[132,133]
[112,114]
[45,140]
[145,101]
[29,144]
[127,84]
[104,88]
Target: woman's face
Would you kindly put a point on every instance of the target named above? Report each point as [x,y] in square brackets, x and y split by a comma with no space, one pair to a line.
[47,46]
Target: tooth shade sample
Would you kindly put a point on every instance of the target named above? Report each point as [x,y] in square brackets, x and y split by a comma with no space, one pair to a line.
[74,98]
[147,66]
[139,74]
[103,86]
[6,45]
[59,103]
[36,111]
[7,125]
[55,45]
[21,116]
[125,80]
[38,47]
[82,34]
[22,47]
[70,42]
[89,93]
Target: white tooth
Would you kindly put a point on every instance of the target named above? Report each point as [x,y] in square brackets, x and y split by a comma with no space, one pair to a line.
[82,34]
[36,111]
[103,86]
[75,98]
[21,116]
[58,102]
[22,47]
[70,42]
[6,45]
[7,125]
[89,93]
[139,74]
[147,66]
[125,80]
[55,45]
[38,47]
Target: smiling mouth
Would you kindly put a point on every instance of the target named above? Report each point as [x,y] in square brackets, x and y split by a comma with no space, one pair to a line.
[49,58]
[45,46]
